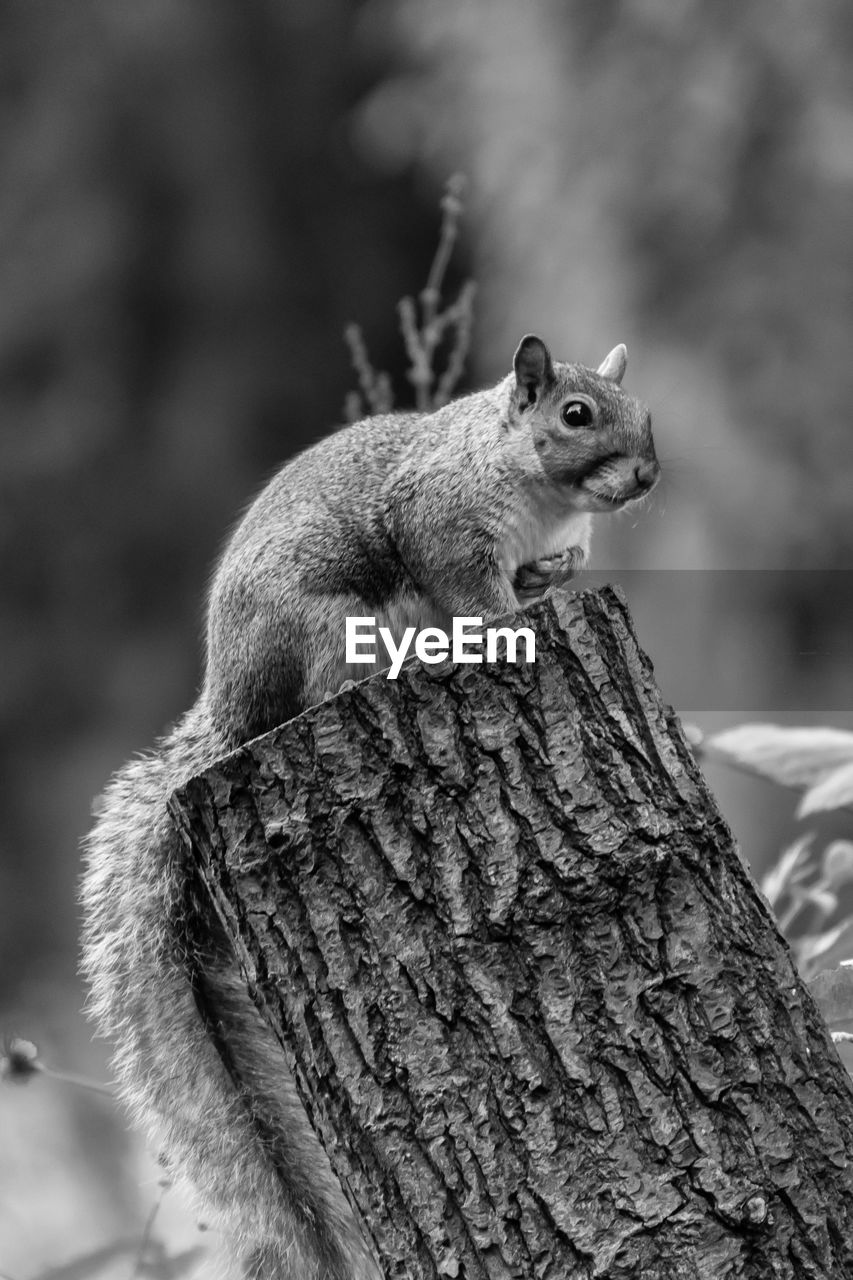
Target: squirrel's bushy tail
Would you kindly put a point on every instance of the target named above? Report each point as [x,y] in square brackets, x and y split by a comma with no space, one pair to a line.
[186,1031]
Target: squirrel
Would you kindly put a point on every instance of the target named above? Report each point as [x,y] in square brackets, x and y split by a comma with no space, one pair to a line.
[478,509]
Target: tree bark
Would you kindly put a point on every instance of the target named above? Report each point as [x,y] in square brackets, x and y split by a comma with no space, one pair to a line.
[539,1015]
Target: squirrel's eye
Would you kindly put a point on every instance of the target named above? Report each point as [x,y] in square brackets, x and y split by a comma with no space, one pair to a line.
[576,413]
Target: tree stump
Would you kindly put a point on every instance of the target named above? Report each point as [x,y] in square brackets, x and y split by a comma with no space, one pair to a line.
[539,1015]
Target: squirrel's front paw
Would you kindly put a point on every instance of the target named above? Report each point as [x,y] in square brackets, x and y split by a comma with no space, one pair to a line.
[532,580]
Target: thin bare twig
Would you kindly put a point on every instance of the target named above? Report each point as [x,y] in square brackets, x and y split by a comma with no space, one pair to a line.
[81,1082]
[464,319]
[367,375]
[162,1187]
[422,336]
[20,1060]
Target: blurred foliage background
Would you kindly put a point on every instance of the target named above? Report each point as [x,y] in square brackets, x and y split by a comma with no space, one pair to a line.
[196,197]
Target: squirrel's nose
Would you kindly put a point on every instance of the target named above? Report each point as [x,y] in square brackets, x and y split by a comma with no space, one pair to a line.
[646,473]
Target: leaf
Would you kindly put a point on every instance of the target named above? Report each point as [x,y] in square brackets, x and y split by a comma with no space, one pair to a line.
[832,792]
[777,879]
[817,896]
[838,863]
[792,757]
[833,993]
[812,945]
[831,948]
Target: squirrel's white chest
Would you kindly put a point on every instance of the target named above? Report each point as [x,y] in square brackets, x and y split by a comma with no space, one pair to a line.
[541,532]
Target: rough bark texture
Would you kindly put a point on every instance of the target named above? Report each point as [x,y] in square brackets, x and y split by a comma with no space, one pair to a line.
[541,1019]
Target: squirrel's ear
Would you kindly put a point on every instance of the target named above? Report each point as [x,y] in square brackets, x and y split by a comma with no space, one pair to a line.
[533,369]
[614,365]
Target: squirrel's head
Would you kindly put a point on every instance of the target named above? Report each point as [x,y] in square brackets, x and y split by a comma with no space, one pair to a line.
[582,431]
